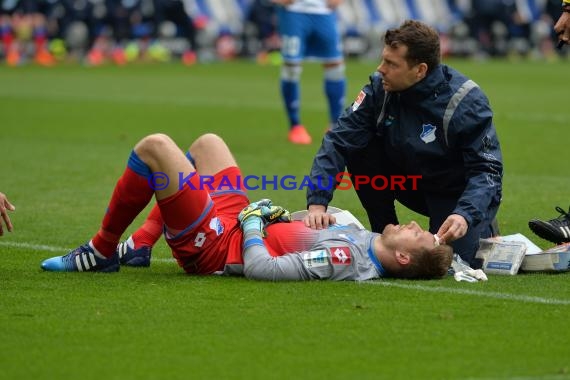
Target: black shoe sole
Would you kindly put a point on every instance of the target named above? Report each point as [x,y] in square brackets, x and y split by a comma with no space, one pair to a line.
[545,232]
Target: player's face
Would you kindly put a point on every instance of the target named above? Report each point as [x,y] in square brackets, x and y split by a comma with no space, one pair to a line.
[397,75]
[407,237]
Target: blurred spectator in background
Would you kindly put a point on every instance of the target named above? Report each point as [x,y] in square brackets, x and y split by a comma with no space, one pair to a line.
[121,31]
[489,22]
[72,26]
[22,20]
[175,12]
[542,33]
[134,28]
[121,16]
[261,22]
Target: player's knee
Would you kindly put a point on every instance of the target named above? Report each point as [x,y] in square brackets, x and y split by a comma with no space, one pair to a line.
[152,145]
[291,73]
[208,142]
[336,72]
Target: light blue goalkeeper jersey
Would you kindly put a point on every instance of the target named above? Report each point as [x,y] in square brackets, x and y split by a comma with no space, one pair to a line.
[338,253]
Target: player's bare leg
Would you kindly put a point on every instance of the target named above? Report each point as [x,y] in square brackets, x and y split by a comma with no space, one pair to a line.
[210,155]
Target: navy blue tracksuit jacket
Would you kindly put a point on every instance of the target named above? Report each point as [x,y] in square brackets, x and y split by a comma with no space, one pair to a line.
[441,129]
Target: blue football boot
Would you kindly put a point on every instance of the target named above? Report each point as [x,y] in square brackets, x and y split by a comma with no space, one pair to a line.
[82,259]
[132,257]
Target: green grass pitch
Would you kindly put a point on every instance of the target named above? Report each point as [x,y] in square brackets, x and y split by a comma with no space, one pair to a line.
[65,135]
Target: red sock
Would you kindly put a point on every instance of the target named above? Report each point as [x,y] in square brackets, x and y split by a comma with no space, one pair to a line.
[148,234]
[131,195]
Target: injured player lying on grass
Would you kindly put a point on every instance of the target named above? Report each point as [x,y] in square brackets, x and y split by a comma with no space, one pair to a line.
[340,252]
[211,231]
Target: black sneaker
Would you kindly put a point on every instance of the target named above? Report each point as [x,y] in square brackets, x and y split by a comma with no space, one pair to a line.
[554,230]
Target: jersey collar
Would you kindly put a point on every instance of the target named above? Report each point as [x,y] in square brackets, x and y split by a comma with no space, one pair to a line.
[374,259]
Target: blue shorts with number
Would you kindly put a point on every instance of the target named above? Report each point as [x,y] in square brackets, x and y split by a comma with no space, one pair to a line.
[305,35]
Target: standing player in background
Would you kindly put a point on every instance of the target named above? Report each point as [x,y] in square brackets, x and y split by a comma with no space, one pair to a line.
[308,29]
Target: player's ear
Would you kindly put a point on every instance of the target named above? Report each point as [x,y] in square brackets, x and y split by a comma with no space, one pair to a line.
[402,258]
[422,70]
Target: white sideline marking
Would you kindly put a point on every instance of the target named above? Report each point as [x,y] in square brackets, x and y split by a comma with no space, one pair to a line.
[433,289]
[541,377]
[35,247]
[504,296]
[49,248]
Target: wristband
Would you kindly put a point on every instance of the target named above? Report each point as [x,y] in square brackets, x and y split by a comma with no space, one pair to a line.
[253,223]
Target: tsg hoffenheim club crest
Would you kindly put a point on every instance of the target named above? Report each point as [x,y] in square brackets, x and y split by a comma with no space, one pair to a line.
[428,133]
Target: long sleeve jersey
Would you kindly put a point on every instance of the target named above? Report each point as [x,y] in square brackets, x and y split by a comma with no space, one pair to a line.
[338,253]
